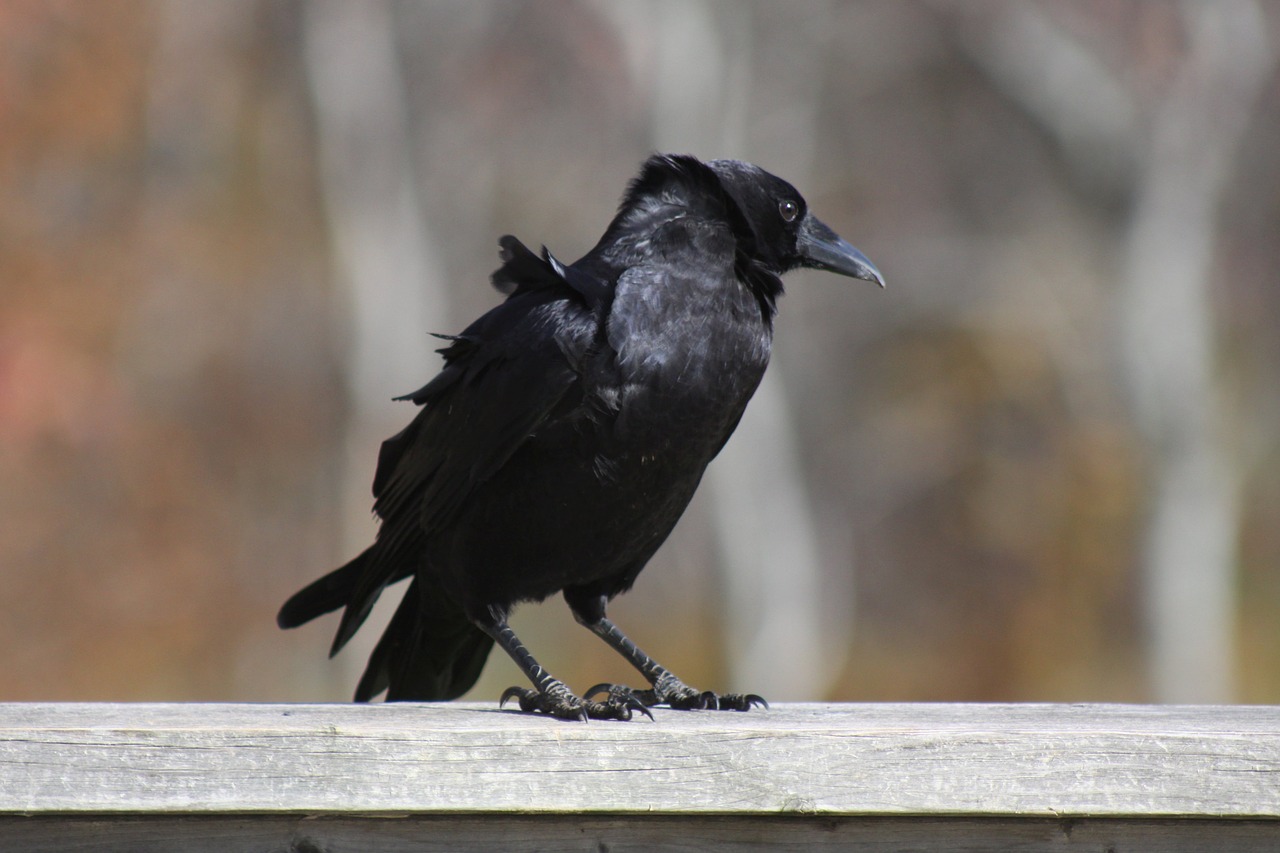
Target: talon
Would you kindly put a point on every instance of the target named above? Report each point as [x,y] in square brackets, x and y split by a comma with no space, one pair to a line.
[681,697]
[636,704]
[741,702]
[513,693]
[602,687]
[620,703]
[609,711]
[559,703]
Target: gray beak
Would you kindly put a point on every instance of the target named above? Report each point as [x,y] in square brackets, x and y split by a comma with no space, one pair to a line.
[823,249]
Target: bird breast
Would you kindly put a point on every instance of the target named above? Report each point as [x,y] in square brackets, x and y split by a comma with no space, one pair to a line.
[687,357]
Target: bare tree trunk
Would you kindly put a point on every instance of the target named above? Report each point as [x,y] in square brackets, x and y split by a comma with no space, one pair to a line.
[388,268]
[1177,175]
[1169,351]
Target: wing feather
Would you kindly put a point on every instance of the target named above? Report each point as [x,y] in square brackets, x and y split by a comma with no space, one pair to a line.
[508,376]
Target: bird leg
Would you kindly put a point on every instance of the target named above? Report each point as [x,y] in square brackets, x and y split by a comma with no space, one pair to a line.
[666,688]
[551,695]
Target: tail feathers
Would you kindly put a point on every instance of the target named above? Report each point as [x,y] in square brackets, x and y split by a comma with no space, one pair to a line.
[355,586]
[430,651]
[322,596]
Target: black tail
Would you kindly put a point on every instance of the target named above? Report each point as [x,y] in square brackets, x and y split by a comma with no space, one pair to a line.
[355,586]
[430,651]
[323,596]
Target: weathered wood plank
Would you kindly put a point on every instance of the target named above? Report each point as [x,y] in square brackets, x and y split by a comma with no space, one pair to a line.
[1004,761]
[593,834]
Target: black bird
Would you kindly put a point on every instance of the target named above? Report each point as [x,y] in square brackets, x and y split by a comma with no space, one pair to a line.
[568,430]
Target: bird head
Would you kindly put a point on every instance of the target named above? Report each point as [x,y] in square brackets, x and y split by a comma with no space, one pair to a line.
[786,235]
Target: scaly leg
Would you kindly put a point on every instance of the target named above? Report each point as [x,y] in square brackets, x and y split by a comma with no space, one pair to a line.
[666,688]
[550,695]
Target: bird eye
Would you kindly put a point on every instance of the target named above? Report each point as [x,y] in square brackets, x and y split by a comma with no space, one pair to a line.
[789,210]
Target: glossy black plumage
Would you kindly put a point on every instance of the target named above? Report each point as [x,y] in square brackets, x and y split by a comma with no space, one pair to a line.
[568,431]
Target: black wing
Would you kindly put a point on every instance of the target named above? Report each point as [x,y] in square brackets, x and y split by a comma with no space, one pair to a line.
[509,375]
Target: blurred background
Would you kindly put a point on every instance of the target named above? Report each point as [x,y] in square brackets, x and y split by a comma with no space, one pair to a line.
[1043,464]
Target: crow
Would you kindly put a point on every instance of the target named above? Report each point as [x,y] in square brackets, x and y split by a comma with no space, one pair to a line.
[567,432]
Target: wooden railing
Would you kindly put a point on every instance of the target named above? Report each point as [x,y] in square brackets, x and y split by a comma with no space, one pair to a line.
[414,777]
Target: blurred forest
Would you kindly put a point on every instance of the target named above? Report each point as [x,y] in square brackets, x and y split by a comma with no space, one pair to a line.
[1043,464]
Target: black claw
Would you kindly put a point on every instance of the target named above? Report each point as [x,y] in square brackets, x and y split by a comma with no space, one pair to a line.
[602,687]
[561,704]
[621,702]
[741,702]
[634,704]
[676,694]
[512,693]
[607,711]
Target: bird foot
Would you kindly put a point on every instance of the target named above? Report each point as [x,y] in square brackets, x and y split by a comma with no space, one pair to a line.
[674,693]
[559,701]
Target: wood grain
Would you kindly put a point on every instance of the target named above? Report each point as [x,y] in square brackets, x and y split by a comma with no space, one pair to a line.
[1006,761]
[634,834]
